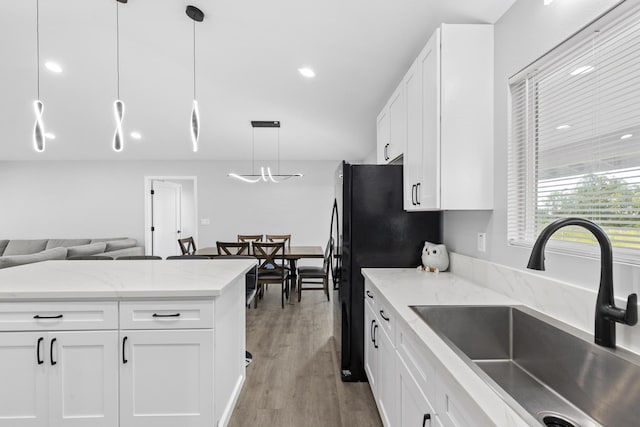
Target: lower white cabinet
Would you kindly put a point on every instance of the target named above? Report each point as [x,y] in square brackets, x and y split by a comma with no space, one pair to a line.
[415,409]
[387,379]
[25,402]
[370,348]
[59,379]
[166,378]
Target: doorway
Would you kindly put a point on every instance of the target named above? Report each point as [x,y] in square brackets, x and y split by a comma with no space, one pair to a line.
[170,213]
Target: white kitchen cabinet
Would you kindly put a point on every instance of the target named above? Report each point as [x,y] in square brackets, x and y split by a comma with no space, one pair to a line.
[449,156]
[392,127]
[24,402]
[166,378]
[59,379]
[370,348]
[387,395]
[414,409]
[83,378]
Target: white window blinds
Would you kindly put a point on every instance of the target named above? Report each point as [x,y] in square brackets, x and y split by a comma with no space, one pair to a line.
[574,148]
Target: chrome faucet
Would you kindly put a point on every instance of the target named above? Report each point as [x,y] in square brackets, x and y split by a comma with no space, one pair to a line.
[607,314]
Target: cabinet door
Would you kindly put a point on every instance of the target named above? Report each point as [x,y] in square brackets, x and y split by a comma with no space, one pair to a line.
[387,379]
[23,373]
[166,378]
[429,183]
[83,378]
[370,351]
[397,123]
[414,408]
[383,136]
[413,153]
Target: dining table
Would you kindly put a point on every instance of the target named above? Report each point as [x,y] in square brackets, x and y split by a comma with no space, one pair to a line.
[291,254]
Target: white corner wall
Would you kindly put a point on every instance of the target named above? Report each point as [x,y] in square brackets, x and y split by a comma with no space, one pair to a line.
[527,31]
[67,199]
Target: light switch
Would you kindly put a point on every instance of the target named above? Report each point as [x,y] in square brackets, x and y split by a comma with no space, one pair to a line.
[482,242]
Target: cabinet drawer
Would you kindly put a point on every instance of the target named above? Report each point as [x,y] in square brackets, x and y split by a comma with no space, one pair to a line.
[49,316]
[370,295]
[166,315]
[455,408]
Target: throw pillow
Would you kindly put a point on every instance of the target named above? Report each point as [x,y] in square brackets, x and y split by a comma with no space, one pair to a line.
[14,260]
[120,244]
[86,250]
[24,247]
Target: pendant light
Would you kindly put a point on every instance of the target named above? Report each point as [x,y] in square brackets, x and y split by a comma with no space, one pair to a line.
[118,104]
[196,15]
[265,172]
[39,137]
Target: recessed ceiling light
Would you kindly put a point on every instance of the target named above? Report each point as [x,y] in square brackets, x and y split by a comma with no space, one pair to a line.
[563,127]
[582,70]
[626,136]
[547,2]
[49,135]
[307,72]
[136,135]
[53,66]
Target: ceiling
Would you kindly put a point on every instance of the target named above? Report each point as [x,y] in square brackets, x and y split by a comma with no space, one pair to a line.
[248,54]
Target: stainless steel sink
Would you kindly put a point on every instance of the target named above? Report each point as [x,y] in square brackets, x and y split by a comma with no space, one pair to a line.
[548,368]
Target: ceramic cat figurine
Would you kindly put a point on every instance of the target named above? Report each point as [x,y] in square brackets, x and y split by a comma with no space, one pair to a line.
[435,257]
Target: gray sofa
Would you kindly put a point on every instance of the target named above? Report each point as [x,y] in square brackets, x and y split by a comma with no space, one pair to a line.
[19,252]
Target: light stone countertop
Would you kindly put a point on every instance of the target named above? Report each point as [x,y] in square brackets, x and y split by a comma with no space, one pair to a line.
[74,280]
[402,287]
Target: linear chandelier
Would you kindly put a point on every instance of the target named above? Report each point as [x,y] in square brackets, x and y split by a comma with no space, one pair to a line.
[265,174]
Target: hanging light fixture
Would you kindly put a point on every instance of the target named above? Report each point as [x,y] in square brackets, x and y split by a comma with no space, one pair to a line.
[118,104]
[196,15]
[39,136]
[265,172]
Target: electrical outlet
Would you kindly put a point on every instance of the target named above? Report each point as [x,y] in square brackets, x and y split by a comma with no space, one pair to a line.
[205,221]
[482,242]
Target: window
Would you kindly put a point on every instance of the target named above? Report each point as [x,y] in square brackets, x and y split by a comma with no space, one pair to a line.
[575,139]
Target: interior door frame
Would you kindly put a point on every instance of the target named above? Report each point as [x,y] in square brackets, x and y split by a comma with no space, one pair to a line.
[147,206]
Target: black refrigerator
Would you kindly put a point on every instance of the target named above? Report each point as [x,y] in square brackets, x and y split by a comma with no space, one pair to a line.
[369,229]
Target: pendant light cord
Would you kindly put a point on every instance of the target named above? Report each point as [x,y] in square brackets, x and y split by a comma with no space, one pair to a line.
[278,151]
[194,59]
[38,45]
[253,151]
[118,47]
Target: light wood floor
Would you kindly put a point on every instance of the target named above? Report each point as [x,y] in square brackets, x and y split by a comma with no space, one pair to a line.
[293,380]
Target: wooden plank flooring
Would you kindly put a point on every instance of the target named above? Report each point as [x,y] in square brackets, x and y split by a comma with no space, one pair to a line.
[293,380]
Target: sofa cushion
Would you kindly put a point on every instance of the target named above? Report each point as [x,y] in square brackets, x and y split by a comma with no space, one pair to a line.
[25,247]
[107,239]
[116,245]
[14,260]
[134,251]
[66,243]
[3,245]
[86,250]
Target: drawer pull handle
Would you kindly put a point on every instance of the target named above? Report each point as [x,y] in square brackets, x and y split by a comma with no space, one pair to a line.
[40,361]
[166,315]
[59,316]
[383,316]
[369,294]
[124,357]
[53,362]
[424,420]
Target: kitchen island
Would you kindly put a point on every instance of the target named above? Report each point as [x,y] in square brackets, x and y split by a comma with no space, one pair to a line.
[122,343]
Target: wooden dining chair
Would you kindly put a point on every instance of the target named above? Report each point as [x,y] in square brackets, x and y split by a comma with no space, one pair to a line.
[251,239]
[233,248]
[187,246]
[271,268]
[316,275]
[284,238]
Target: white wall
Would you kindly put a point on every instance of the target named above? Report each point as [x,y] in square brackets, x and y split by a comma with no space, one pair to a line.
[527,31]
[105,199]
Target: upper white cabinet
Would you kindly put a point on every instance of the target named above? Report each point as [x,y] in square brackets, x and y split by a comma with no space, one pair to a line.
[392,127]
[447,122]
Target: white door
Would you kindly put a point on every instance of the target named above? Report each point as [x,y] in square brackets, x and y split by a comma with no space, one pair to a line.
[387,396]
[414,409]
[370,351]
[83,379]
[23,376]
[429,65]
[167,379]
[165,217]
